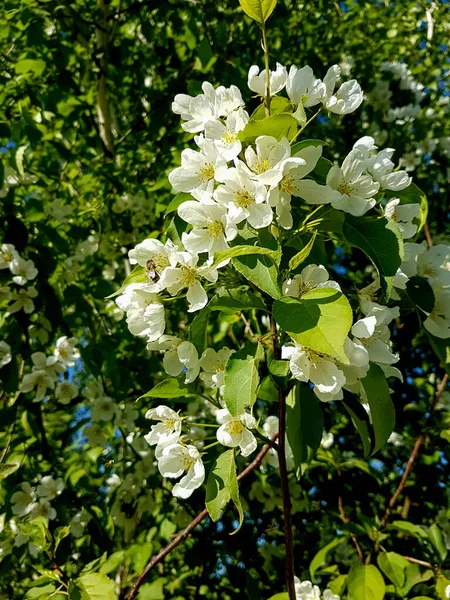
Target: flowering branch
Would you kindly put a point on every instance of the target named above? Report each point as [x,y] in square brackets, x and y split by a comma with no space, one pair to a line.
[192,525]
[265,46]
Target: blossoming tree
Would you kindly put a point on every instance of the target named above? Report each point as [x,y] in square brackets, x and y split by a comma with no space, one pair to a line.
[254,335]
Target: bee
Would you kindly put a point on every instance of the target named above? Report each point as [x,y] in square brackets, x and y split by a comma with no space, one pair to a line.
[152,273]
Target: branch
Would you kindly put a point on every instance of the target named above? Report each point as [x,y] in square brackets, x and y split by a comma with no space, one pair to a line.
[412,458]
[192,525]
[428,235]
[103,106]
[289,559]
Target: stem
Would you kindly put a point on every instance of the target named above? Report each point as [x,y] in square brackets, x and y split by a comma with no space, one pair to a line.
[210,445]
[306,124]
[288,539]
[428,235]
[192,525]
[266,65]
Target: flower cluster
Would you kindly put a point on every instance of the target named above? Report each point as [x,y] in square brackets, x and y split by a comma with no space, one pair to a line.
[47,370]
[305,590]
[21,271]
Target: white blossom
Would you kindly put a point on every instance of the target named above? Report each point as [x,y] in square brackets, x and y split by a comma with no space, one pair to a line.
[95,435]
[311,277]
[65,350]
[49,488]
[225,135]
[145,312]
[403,215]
[187,275]
[213,365]
[235,431]
[23,270]
[212,227]
[270,428]
[104,409]
[244,198]
[179,357]
[8,254]
[155,257]
[165,433]
[257,80]
[380,166]
[198,169]
[327,440]
[438,321]
[176,460]
[66,391]
[264,161]
[22,501]
[38,379]
[306,365]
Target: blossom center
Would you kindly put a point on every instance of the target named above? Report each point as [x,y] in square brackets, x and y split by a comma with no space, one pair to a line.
[235,427]
[346,189]
[287,185]
[188,276]
[207,172]
[243,199]
[169,424]
[261,166]
[215,229]
[429,271]
[229,137]
[187,461]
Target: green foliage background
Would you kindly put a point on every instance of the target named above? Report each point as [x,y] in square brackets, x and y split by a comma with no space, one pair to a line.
[63,64]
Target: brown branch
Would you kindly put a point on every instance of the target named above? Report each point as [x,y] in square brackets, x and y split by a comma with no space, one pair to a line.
[192,525]
[423,563]
[428,235]
[288,539]
[412,458]
[103,106]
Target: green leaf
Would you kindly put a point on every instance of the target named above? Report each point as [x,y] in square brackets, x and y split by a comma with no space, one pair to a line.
[381,407]
[321,169]
[236,300]
[437,539]
[59,534]
[319,320]
[242,378]
[244,251]
[280,596]
[96,586]
[176,202]
[381,240]
[169,388]
[40,593]
[258,10]
[137,275]
[365,582]
[305,144]
[278,126]
[198,330]
[280,373]
[301,256]
[408,528]
[26,65]
[321,556]
[441,586]
[260,271]
[394,567]
[7,468]
[278,104]
[222,486]
[304,424]
[360,420]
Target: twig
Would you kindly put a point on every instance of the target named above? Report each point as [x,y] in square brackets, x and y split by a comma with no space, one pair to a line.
[192,525]
[289,559]
[423,563]
[427,235]
[265,46]
[412,458]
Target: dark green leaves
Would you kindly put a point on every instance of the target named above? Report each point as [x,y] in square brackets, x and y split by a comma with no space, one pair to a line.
[381,407]
[320,320]
[381,240]
[222,486]
[169,388]
[304,424]
[242,378]
[261,272]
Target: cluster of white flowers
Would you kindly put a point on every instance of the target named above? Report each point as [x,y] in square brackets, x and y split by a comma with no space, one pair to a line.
[13,178]
[47,370]
[22,271]
[72,264]
[305,590]
[35,501]
[138,204]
